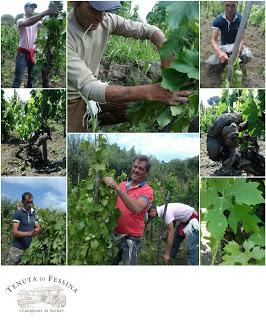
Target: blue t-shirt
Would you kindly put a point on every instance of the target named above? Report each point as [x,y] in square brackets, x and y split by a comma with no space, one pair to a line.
[228,30]
[26,222]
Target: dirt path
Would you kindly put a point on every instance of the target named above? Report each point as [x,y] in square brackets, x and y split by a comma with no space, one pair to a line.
[254,70]
[12,166]
[209,167]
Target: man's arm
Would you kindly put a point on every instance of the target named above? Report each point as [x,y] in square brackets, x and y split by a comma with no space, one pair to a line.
[37,17]
[133,205]
[20,234]
[223,57]
[169,242]
[152,92]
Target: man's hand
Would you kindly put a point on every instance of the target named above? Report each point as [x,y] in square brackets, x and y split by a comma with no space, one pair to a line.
[223,57]
[110,182]
[52,10]
[166,258]
[167,61]
[36,232]
[171,98]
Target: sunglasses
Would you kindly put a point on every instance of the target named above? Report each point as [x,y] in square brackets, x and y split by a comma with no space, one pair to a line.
[28,201]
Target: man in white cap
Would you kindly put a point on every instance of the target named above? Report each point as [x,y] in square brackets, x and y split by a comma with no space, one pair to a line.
[89,26]
[28,32]
[188,229]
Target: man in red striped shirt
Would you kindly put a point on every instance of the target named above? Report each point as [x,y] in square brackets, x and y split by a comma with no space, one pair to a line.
[134,197]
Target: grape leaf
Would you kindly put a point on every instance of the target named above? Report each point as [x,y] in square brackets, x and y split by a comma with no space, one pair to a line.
[173,80]
[164,118]
[176,110]
[235,255]
[243,214]
[259,238]
[247,192]
[186,11]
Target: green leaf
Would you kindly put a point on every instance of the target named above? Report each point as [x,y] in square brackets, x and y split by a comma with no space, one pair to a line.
[259,238]
[173,80]
[247,192]
[243,214]
[179,11]
[164,118]
[176,110]
[217,222]
[234,254]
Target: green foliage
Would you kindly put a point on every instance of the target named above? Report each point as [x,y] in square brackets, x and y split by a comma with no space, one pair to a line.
[8,20]
[9,40]
[211,8]
[157,17]
[96,222]
[48,248]
[51,42]
[91,212]
[22,118]
[182,34]
[128,12]
[257,16]
[250,103]
[237,76]
[230,206]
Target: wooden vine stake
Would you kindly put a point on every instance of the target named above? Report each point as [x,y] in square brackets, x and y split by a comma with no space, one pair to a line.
[237,41]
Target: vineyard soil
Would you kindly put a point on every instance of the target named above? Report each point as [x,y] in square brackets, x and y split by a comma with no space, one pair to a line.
[209,167]
[11,165]
[254,73]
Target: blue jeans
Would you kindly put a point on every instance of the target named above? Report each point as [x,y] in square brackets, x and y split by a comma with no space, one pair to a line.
[21,63]
[192,242]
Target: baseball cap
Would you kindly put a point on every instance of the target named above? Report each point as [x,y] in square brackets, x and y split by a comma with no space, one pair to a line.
[30,4]
[105,5]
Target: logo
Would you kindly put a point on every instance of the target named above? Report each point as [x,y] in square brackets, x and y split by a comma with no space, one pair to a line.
[41,293]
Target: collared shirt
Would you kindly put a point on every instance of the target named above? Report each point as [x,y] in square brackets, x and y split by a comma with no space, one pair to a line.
[27,221]
[228,29]
[131,223]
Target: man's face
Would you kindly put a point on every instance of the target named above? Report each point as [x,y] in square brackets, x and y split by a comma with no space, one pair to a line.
[87,16]
[153,213]
[28,202]
[138,171]
[230,8]
[29,10]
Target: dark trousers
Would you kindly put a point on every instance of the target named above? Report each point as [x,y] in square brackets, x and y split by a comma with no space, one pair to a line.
[129,250]
[22,63]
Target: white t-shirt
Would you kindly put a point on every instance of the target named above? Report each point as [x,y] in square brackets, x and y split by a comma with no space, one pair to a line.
[176,211]
[28,35]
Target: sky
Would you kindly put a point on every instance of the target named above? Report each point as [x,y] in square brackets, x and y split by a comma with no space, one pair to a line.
[206,94]
[47,192]
[24,94]
[144,7]
[163,146]
[14,7]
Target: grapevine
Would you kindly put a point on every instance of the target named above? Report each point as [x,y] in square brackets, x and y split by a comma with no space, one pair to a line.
[91,212]
[51,54]
[230,210]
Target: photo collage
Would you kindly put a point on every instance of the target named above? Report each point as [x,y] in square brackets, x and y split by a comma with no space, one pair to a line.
[132,133]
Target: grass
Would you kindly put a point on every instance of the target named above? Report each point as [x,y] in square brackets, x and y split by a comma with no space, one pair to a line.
[124,50]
